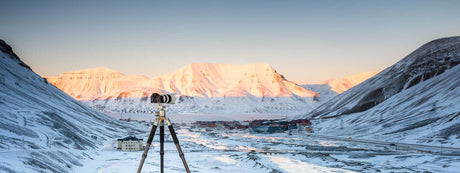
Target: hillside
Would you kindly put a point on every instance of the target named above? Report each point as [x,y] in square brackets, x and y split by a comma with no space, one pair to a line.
[42,129]
[415,100]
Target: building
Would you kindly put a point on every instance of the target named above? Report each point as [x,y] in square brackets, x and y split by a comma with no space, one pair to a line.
[130,143]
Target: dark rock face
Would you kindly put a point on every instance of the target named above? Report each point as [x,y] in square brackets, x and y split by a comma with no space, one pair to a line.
[5,48]
[428,61]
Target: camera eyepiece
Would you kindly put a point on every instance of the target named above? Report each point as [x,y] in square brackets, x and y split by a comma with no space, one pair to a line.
[158,98]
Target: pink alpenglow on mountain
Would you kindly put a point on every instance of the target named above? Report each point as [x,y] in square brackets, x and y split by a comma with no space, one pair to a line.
[343,84]
[196,79]
[90,84]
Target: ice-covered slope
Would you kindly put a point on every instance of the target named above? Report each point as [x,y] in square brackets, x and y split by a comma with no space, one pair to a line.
[416,99]
[201,87]
[333,87]
[42,129]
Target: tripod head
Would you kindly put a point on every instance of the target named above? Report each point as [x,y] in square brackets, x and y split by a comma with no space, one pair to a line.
[161,111]
[160,99]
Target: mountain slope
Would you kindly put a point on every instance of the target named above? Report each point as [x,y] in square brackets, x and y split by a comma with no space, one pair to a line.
[419,95]
[41,128]
[201,87]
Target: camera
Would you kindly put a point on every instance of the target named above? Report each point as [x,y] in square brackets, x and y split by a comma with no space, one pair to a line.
[166,98]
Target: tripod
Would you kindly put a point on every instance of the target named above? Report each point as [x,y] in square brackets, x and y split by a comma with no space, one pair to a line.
[161,118]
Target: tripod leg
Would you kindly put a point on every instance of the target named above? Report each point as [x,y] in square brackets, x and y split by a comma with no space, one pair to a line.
[176,141]
[162,140]
[147,146]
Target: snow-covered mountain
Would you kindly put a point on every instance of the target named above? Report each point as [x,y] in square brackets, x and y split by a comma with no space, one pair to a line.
[97,81]
[333,87]
[42,129]
[196,79]
[201,87]
[415,100]
[341,85]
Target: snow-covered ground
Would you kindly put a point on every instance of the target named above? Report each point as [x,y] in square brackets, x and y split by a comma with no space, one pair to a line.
[223,150]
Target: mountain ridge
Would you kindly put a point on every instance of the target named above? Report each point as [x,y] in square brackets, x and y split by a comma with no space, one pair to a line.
[195,79]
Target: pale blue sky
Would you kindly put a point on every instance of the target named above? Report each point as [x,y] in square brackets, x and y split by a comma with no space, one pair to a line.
[307,41]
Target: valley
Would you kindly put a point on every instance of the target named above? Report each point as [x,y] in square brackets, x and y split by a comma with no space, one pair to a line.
[222,150]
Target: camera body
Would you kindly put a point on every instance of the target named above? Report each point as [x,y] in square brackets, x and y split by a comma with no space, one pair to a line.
[166,98]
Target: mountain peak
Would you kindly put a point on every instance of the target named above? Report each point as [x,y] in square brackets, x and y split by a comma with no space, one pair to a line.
[4,47]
